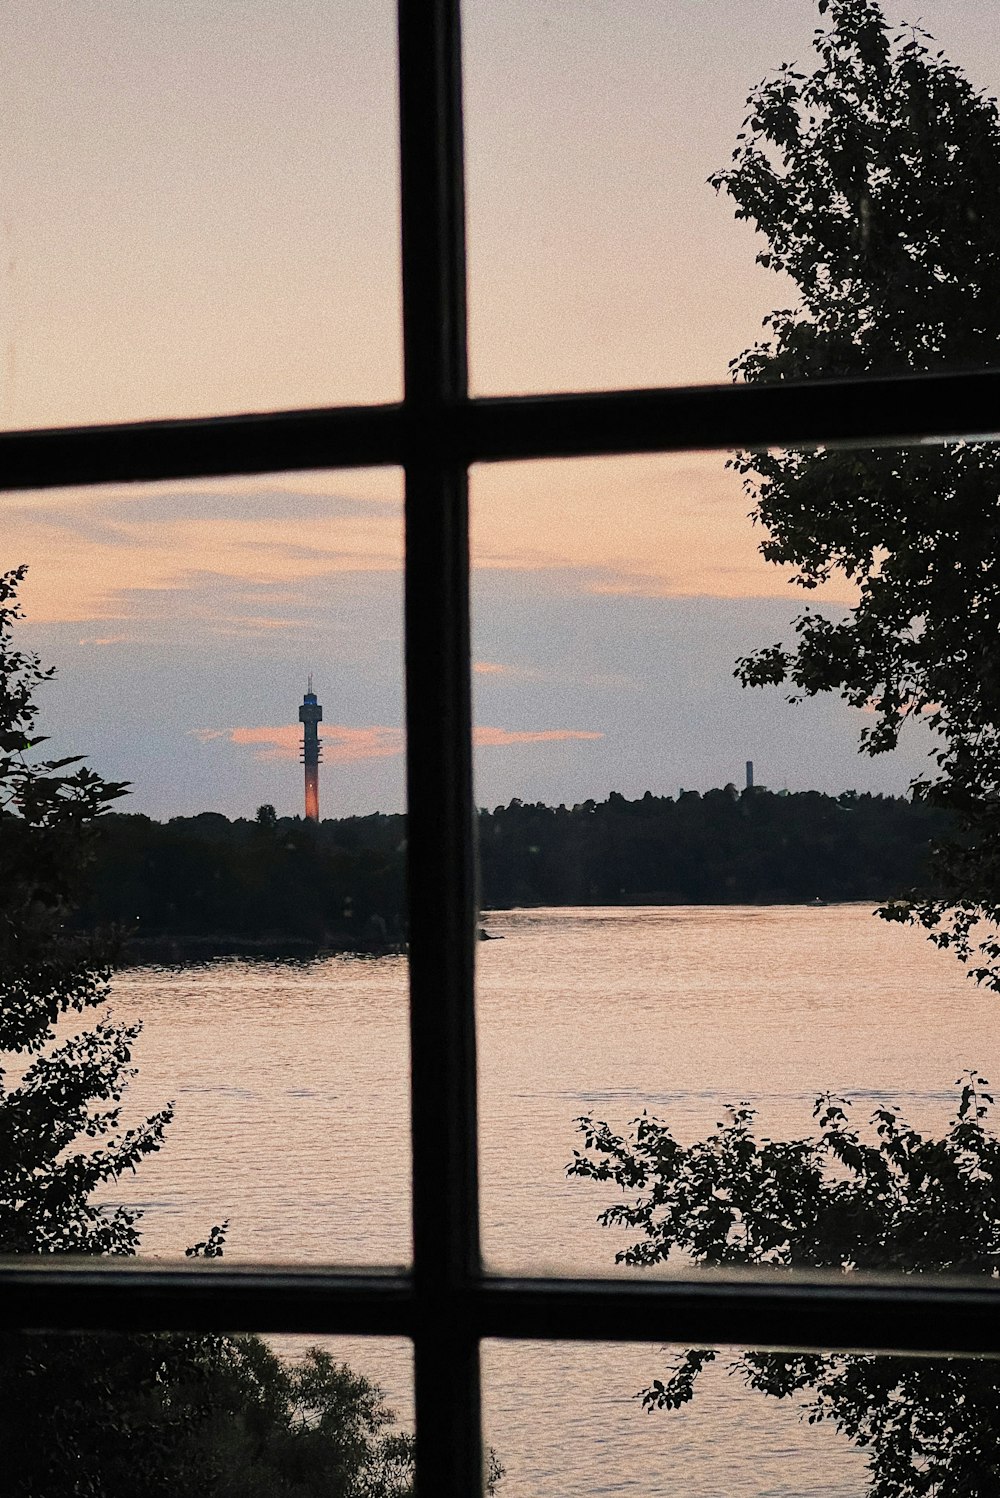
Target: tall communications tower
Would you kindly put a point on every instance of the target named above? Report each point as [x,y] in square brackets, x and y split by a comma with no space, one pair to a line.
[310,714]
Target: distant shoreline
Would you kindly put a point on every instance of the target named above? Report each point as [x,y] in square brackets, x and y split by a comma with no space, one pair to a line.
[164,950]
[655,902]
[176,951]
[200,887]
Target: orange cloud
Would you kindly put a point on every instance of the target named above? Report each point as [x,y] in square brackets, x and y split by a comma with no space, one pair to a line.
[104,640]
[908,709]
[270,743]
[345,745]
[342,745]
[496,668]
[488,738]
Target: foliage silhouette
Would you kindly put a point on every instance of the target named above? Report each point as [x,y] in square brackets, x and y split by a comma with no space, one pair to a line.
[723,847]
[56,1149]
[266,816]
[899,1200]
[157,1416]
[282,883]
[875,180]
[196,886]
[123,1416]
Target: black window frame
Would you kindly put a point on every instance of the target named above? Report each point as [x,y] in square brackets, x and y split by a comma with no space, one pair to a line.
[446,1304]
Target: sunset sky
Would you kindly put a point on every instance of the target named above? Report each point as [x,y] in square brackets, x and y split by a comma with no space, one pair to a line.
[200,215]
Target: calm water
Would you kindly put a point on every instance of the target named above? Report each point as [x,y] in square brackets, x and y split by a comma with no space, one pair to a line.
[291,1092]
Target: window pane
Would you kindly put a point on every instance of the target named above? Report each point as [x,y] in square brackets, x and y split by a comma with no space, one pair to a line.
[570,1417]
[680,944]
[600,256]
[683,1012]
[200,210]
[262,951]
[167,1414]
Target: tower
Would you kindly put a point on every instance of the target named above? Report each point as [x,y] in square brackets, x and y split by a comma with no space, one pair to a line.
[310,714]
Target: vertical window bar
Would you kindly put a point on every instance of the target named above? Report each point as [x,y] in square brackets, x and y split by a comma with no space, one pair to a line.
[439,756]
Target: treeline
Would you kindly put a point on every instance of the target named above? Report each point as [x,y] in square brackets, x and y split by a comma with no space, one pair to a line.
[205,884]
[724,847]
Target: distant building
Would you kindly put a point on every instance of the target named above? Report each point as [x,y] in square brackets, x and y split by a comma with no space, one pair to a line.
[751,785]
[310,715]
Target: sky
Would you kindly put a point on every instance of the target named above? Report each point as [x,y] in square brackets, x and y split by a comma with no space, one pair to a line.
[200,215]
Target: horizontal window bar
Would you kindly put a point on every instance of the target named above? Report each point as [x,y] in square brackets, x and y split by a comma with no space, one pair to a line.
[802,414]
[909,1314]
[277,442]
[105,1296]
[913,1315]
[857,411]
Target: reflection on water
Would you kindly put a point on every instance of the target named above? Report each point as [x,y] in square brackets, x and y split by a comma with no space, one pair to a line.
[292,1121]
[564,1422]
[292,1113]
[679,1010]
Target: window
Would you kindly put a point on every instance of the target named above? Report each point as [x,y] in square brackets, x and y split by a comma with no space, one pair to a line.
[447,1306]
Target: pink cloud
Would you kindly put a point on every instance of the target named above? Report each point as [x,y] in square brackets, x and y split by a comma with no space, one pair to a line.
[342,745]
[908,709]
[492,668]
[270,743]
[488,738]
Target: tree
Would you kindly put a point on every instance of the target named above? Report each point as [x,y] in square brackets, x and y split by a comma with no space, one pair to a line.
[176,1417]
[875,180]
[901,1201]
[122,1415]
[56,1147]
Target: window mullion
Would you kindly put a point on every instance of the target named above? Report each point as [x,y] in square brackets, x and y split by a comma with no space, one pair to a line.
[441,857]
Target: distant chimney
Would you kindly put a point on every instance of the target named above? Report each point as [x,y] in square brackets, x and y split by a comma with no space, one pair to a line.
[749,774]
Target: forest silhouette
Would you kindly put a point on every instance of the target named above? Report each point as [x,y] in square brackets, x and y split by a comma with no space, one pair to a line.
[205,885]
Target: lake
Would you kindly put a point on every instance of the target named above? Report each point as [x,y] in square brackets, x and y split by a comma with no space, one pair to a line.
[292,1121]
